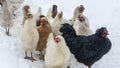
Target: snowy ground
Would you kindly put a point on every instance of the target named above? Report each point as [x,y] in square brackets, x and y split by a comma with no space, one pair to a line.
[100,13]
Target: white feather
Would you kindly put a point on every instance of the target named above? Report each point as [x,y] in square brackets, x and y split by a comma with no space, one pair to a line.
[57,54]
[29,36]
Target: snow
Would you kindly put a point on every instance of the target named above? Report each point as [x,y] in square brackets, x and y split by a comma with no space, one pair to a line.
[99,12]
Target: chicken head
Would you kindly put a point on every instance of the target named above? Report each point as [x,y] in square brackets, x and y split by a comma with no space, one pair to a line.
[57,39]
[81,9]
[103,32]
[60,14]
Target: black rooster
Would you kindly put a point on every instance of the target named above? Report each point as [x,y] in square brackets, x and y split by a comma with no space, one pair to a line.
[87,49]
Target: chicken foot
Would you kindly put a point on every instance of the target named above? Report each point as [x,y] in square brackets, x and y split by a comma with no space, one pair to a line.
[31,58]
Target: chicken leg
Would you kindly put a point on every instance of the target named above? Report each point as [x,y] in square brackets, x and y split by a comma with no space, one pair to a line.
[26,57]
[31,58]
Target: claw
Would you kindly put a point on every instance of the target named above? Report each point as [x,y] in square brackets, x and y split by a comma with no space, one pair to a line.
[27,57]
[32,59]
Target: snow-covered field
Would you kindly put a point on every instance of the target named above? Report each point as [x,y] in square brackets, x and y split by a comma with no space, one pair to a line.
[99,12]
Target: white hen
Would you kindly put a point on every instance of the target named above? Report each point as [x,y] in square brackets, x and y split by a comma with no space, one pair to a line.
[29,37]
[57,53]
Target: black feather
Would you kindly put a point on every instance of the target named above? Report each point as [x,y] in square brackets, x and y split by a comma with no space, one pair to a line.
[87,49]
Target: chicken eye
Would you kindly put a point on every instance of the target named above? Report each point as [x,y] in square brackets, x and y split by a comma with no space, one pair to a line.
[59,14]
[57,38]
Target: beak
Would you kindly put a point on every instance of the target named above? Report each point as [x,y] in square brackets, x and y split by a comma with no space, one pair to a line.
[107,33]
[61,13]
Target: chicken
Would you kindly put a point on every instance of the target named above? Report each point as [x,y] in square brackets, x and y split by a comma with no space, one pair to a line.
[81,23]
[87,49]
[7,17]
[44,30]
[57,23]
[57,53]
[51,14]
[81,26]
[29,37]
